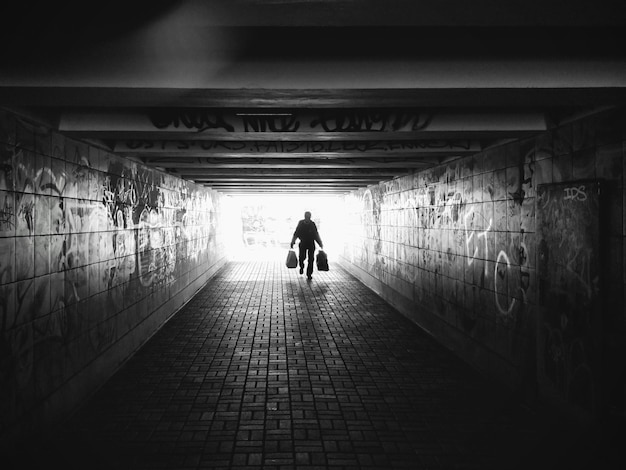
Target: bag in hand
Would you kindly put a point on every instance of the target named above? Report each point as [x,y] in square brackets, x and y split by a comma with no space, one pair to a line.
[322,261]
[292,259]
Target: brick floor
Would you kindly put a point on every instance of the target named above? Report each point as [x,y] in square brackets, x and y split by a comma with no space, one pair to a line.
[263,369]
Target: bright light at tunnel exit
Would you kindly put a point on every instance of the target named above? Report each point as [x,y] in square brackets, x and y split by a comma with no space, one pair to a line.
[260,227]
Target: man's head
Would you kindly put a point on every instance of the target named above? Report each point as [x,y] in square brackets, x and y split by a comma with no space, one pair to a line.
[307,215]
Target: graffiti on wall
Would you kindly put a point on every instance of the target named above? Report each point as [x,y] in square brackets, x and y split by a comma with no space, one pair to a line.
[71,232]
[464,241]
[570,326]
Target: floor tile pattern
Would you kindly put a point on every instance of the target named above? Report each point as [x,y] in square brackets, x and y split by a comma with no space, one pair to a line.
[264,369]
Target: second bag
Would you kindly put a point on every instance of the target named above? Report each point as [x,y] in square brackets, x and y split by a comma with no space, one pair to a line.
[322,261]
[292,259]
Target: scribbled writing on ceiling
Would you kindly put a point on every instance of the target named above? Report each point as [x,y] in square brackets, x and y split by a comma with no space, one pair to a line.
[324,121]
[294,147]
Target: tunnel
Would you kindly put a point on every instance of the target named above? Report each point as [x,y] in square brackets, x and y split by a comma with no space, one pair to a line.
[464,168]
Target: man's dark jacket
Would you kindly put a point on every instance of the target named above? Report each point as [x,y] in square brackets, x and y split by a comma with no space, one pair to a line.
[307,233]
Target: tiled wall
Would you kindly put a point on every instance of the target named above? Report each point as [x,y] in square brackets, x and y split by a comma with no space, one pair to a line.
[455,247]
[96,252]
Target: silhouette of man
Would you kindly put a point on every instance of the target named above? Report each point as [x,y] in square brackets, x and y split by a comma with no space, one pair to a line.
[306,231]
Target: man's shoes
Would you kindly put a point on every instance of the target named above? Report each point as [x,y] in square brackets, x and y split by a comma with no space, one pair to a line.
[301,270]
[309,277]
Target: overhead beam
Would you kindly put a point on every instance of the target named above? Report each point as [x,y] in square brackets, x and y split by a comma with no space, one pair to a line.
[271,173]
[295,149]
[285,185]
[283,191]
[480,97]
[278,164]
[300,125]
[284,179]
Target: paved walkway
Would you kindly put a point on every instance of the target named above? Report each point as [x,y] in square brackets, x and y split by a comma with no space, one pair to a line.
[263,369]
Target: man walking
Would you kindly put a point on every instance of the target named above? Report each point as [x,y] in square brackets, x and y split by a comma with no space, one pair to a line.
[306,231]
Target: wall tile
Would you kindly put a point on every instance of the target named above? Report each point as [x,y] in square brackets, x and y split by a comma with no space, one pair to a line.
[82,182]
[7,302]
[76,152]
[57,174]
[477,188]
[7,260]
[624,212]
[42,141]
[94,158]
[57,146]
[514,157]
[24,171]
[500,185]
[527,215]
[544,146]
[543,172]
[7,128]
[615,269]
[42,255]
[7,214]
[25,135]
[585,133]
[7,167]
[500,211]
[58,223]
[609,128]
[584,164]
[562,140]
[562,168]
[609,161]
[513,183]
[42,215]
[49,373]
[71,180]
[24,214]
[495,159]
[478,164]
[615,213]
[468,190]
[44,181]
[41,302]
[514,215]
[488,191]
[57,253]
[96,186]
[24,301]
[24,258]
[624,267]
[20,340]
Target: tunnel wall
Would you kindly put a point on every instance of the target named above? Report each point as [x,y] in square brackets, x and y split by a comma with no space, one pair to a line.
[455,248]
[96,253]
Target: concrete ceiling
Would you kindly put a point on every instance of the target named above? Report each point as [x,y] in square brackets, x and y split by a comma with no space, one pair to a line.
[312,96]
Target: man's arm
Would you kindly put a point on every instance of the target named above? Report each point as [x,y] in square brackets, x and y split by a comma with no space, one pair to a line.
[295,235]
[318,239]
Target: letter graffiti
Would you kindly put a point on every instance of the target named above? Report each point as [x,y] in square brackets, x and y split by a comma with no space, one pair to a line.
[358,121]
[198,119]
[500,282]
[6,216]
[469,236]
[575,194]
[272,123]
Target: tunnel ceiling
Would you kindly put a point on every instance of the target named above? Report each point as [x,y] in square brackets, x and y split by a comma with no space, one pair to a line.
[316,97]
